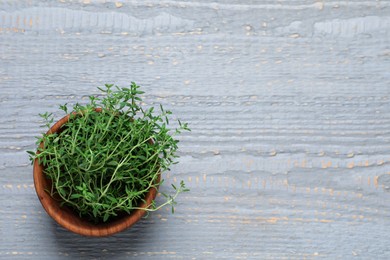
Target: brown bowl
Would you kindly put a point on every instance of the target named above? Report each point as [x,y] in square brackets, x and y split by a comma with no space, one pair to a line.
[71,220]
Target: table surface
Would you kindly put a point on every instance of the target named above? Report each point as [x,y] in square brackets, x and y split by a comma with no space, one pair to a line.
[288,101]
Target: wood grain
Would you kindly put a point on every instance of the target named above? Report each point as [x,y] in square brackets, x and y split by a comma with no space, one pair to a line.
[288,101]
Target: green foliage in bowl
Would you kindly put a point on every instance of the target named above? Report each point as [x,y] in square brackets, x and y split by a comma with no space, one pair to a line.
[102,164]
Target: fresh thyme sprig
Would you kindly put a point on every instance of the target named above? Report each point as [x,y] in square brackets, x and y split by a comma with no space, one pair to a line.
[102,164]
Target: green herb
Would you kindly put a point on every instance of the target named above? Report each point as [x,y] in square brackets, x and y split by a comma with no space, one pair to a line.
[102,164]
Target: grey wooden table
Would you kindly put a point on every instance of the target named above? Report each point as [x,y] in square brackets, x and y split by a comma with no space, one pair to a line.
[288,101]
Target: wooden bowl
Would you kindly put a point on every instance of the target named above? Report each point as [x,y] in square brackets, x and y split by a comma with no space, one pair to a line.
[71,220]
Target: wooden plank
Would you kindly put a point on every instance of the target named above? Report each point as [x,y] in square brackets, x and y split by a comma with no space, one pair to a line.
[289,154]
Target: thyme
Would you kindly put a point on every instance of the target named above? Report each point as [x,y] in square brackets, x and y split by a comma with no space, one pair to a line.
[101,164]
